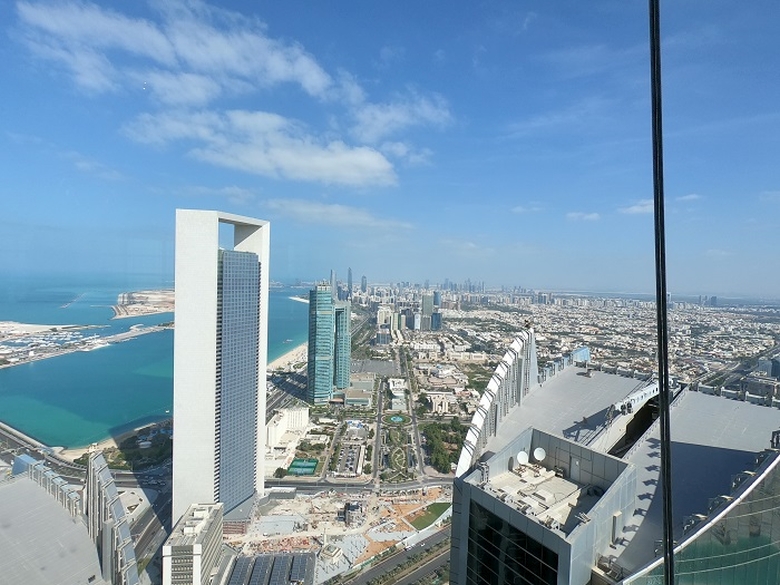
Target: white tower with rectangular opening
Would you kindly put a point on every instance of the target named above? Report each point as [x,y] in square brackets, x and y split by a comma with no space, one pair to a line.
[220,353]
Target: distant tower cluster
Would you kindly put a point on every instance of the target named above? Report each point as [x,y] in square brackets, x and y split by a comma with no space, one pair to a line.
[330,344]
[220,351]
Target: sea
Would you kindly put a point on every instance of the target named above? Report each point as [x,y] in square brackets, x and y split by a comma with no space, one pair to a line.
[79,398]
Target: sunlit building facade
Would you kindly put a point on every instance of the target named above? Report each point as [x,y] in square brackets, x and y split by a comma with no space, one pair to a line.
[220,352]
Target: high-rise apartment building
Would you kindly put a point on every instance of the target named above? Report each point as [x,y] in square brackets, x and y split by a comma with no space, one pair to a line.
[330,344]
[321,344]
[342,344]
[220,352]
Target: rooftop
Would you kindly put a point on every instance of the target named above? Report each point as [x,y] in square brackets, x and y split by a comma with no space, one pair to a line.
[41,543]
[713,439]
[556,502]
[572,404]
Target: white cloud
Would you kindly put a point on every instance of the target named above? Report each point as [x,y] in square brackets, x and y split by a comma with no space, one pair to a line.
[192,54]
[178,89]
[584,112]
[79,35]
[376,121]
[266,144]
[640,207]
[332,214]
[689,197]
[88,165]
[234,194]
[525,208]
[391,54]
[403,151]
[582,216]
[467,248]
[769,196]
[529,18]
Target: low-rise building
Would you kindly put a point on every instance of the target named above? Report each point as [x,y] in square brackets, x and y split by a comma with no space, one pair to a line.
[192,552]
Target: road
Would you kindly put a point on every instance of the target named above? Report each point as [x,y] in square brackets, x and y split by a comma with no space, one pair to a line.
[391,563]
[429,567]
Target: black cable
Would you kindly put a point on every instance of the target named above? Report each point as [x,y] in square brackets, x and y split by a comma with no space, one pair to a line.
[660,292]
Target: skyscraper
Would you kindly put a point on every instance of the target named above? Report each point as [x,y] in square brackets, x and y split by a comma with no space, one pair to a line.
[220,350]
[330,344]
[342,344]
[349,283]
[321,345]
[363,284]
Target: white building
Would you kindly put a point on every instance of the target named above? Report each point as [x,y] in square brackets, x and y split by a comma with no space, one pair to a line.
[220,349]
[192,552]
[286,419]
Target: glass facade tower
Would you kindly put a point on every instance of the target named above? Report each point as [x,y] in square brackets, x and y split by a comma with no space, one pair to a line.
[238,313]
[342,345]
[330,344]
[321,344]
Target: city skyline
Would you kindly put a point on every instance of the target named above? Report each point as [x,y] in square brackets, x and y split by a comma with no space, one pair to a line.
[505,134]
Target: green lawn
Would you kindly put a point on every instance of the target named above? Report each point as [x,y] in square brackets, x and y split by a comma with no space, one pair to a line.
[432,513]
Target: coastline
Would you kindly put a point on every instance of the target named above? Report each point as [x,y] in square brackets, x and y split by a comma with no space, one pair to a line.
[144,302]
[294,356]
[89,344]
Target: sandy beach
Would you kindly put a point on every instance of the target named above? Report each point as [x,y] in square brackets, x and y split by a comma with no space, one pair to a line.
[294,356]
[73,454]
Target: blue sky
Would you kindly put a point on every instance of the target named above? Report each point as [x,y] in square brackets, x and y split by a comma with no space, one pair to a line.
[500,141]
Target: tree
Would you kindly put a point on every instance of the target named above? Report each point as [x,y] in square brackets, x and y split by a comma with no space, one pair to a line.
[367,468]
[280,472]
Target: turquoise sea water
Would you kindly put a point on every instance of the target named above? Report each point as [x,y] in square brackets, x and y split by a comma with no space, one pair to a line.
[82,397]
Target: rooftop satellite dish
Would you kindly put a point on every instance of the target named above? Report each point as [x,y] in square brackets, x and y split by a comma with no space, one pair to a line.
[540,454]
[522,458]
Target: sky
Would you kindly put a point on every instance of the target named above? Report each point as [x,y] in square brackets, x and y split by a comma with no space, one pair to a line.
[505,142]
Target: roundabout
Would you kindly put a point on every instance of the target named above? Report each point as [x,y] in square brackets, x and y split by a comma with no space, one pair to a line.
[396,419]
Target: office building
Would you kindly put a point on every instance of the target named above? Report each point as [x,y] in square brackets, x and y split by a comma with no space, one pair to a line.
[107,524]
[558,480]
[349,284]
[363,284]
[220,350]
[191,554]
[330,344]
